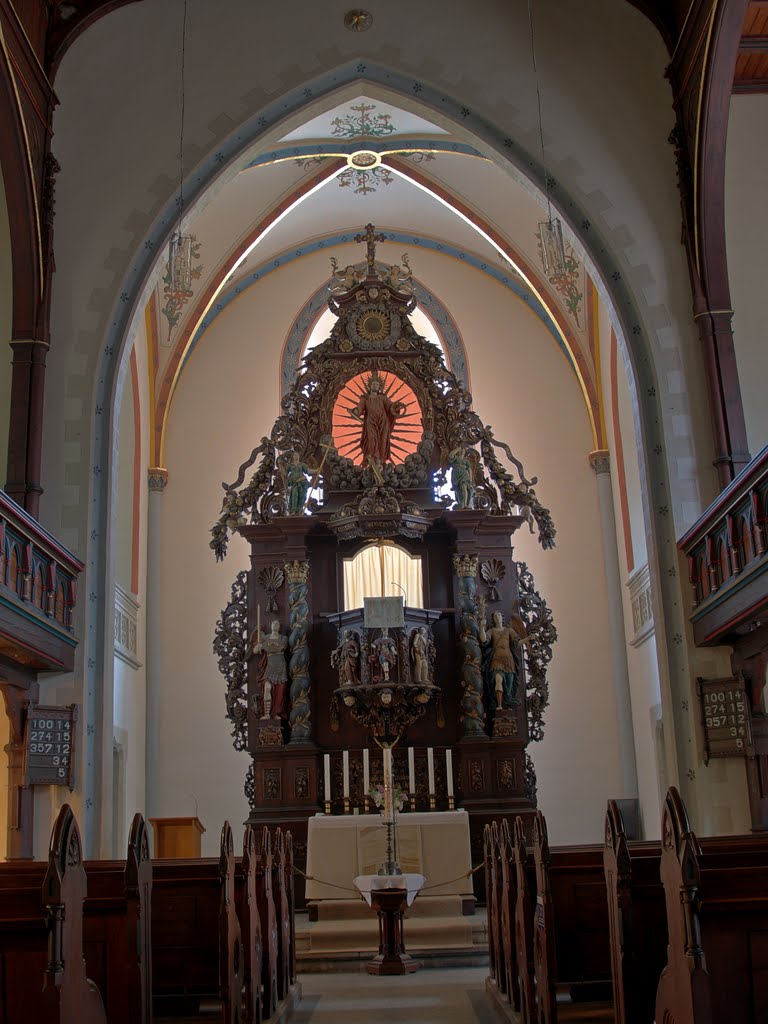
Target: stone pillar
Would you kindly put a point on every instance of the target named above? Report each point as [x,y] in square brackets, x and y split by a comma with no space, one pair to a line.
[298,664]
[600,462]
[157,480]
[473,711]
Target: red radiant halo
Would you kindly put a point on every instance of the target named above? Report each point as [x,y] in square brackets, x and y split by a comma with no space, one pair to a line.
[406,433]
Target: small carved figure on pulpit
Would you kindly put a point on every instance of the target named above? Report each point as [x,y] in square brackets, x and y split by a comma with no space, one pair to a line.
[501,657]
[295,482]
[420,655]
[462,477]
[385,654]
[273,671]
[345,658]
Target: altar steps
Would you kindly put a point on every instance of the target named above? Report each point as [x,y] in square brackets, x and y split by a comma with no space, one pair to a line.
[346,935]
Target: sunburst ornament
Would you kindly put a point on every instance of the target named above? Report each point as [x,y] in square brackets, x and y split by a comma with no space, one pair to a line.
[398,428]
[373,325]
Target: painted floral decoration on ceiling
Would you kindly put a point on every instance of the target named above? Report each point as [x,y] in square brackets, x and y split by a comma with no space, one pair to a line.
[351,127]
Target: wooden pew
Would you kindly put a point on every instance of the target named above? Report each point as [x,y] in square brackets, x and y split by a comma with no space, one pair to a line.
[506,915]
[290,889]
[44,976]
[490,897]
[523,926]
[230,939]
[282,909]
[717,915]
[115,925]
[248,912]
[544,962]
[269,933]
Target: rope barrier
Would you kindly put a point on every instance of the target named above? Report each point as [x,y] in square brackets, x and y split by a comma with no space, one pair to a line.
[346,888]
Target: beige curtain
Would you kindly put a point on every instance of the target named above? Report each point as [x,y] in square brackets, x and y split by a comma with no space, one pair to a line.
[380,570]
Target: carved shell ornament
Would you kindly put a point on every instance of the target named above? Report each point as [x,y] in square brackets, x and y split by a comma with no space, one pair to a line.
[493,572]
[271,579]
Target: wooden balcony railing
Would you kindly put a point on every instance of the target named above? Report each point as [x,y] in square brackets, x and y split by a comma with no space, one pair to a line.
[726,552]
[38,591]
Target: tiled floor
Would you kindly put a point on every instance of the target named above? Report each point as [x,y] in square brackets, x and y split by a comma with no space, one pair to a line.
[454,996]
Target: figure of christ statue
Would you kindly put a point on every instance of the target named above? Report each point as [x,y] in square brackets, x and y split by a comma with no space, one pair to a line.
[273,671]
[500,660]
[344,657]
[378,414]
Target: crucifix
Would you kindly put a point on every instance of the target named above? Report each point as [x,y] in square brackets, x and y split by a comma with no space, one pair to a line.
[371,238]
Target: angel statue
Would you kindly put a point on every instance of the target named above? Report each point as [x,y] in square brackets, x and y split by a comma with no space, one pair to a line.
[501,658]
[343,279]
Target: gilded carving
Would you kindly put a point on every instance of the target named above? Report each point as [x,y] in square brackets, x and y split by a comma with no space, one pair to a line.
[506,774]
[476,776]
[272,788]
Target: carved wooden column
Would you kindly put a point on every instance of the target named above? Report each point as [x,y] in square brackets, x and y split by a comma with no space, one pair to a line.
[473,711]
[298,664]
[601,464]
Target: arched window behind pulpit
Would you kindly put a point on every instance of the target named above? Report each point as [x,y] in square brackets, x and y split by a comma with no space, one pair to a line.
[383,569]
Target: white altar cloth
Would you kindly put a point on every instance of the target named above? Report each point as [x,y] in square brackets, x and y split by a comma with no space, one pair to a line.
[412,883]
[343,847]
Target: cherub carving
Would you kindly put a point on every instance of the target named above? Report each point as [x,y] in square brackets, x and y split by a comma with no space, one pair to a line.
[343,279]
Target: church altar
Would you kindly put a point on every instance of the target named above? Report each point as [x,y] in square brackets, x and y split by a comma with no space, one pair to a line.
[342,847]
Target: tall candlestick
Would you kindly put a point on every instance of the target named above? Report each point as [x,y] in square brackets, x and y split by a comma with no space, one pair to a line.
[449,771]
[411,770]
[387,751]
[345,773]
[431,770]
[327,766]
[366,773]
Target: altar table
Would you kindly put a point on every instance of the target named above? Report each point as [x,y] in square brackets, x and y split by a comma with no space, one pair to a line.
[342,847]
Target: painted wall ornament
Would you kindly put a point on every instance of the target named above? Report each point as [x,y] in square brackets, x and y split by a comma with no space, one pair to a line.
[177,288]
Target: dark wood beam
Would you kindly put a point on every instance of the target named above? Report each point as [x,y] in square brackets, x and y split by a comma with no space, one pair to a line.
[744,86]
[753,44]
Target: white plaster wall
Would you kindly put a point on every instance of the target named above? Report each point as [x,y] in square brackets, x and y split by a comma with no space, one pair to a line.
[123,507]
[228,397]
[746,221]
[129,712]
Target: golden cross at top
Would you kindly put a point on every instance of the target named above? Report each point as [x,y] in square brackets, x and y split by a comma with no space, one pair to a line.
[371,238]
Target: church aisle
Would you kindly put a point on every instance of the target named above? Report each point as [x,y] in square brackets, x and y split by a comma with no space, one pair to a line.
[455,996]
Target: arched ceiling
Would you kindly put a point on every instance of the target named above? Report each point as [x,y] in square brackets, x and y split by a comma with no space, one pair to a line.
[425,188]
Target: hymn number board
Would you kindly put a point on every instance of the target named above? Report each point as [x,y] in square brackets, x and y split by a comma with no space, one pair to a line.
[50,745]
[725,711]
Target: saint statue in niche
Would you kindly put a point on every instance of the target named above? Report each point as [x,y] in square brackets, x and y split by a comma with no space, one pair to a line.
[378,414]
[420,655]
[500,660]
[344,658]
[273,670]
[384,654]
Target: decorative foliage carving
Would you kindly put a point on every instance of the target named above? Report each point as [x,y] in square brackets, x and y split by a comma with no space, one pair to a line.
[229,646]
[379,512]
[473,712]
[506,774]
[250,787]
[529,779]
[298,665]
[538,651]
[301,783]
[272,788]
[271,579]
[476,776]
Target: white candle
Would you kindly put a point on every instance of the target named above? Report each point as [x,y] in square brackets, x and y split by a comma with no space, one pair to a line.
[411,770]
[431,770]
[366,773]
[327,766]
[345,773]
[449,771]
[387,751]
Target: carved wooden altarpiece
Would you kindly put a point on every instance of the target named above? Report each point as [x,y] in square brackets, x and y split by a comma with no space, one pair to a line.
[372,430]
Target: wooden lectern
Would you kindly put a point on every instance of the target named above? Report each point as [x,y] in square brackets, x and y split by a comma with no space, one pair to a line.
[177,837]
